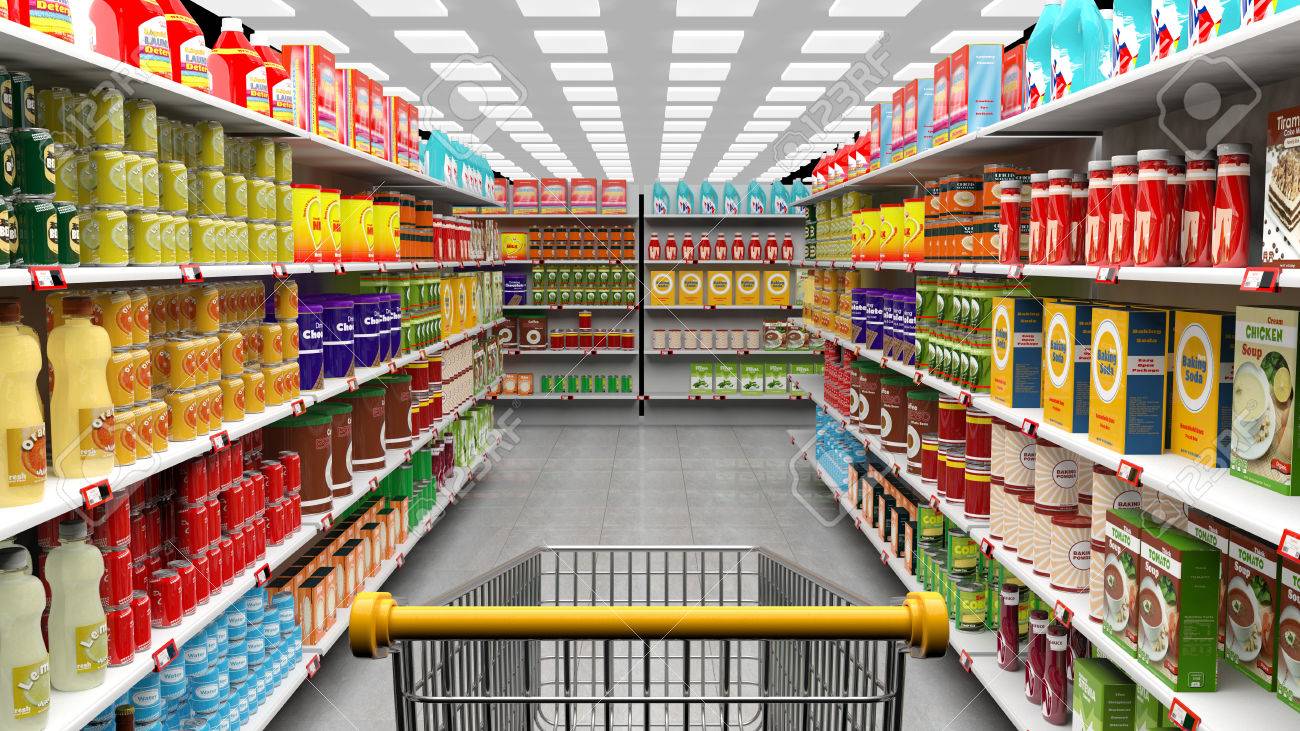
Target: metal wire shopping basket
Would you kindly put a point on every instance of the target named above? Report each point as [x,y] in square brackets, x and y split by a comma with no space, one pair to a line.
[682,637]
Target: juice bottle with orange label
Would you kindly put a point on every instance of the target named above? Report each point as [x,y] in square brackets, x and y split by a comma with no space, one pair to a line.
[22,422]
[81,408]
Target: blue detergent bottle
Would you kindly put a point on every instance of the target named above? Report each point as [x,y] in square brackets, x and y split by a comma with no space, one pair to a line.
[1080,48]
[1038,57]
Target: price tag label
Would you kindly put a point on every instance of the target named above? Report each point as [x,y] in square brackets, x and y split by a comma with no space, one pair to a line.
[313,666]
[339,268]
[406,456]
[262,575]
[191,274]
[954,269]
[911,267]
[884,557]
[374,484]
[1016,271]
[643,397]
[986,548]
[1063,613]
[719,397]
[1182,717]
[1107,275]
[96,494]
[964,398]
[934,501]
[45,279]
[352,383]
[1029,428]
[163,656]
[877,265]
[220,440]
[918,376]
[383,267]
[966,661]
[1290,544]
[298,408]
[326,521]
[1260,279]
[279,271]
[1129,472]
[392,366]
[400,559]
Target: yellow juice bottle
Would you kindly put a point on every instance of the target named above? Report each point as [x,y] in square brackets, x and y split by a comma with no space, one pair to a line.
[24,661]
[22,421]
[81,409]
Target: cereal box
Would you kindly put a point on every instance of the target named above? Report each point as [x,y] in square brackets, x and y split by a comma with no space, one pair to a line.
[1126,410]
[582,195]
[721,287]
[613,196]
[1103,696]
[1263,398]
[940,113]
[1177,608]
[1017,344]
[1288,630]
[690,287]
[1120,577]
[1200,408]
[1250,607]
[525,197]
[1067,354]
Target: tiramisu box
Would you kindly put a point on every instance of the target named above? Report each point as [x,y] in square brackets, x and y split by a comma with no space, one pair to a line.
[1282,189]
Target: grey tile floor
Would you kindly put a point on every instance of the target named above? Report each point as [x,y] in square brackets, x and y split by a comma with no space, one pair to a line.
[646,486]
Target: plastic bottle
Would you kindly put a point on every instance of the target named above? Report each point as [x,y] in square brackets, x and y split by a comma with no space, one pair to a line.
[134,32]
[1080,48]
[1038,57]
[278,83]
[189,49]
[238,73]
[51,18]
[24,661]
[22,450]
[78,632]
[81,409]
[1169,32]
[1130,35]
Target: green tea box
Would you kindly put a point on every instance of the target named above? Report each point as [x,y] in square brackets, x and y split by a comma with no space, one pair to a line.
[1149,714]
[802,369]
[1178,608]
[1200,405]
[1103,696]
[726,378]
[1250,608]
[701,378]
[752,379]
[1263,391]
[776,378]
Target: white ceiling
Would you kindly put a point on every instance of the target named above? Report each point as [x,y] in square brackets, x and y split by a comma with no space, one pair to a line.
[641,89]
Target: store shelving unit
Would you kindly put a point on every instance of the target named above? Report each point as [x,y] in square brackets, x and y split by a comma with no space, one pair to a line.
[557,216]
[721,307]
[721,262]
[567,397]
[754,218]
[705,352]
[683,396]
[289,685]
[571,353]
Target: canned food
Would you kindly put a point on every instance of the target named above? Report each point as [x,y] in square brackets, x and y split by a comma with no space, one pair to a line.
[34,158]
[149,182]
[254,392]
[24,100]
[38,232]
[283,203]
[103,178]
[211,145]
[232,399]
[134,180]
[182,416]
[213,348]
[114,312]
[284,243]
[140,312]
[283,162]
[261,199]
[107,122]
[181,364]
[142,369]
[8,233]
[143,432]
[232,352]
[289,336]
[169,224]
[124,436]
[182,240]
[145,238]
[272,350]
[167,140]
[212,393]
[211,194]
[236,196]
[161,419]
[9,160]
[69,237]
[141,126]
[264,158]
[67,174]
[173,187]
[165,606]
[105,236]
[237,243]
[207,311]
[50,103]
[203,239]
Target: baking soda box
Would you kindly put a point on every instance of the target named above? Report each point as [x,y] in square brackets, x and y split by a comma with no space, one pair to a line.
[1017,344]
[1067,356]
[1263,398]
[663,287]
[1200,408]
[721,288]
[690,287]
[1126,409]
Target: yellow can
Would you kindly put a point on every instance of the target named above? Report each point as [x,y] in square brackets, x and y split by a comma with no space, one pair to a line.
[211,149]
[105,237]
[157,313]
[124,436]
[254,392]
[171,301]
[159,368]
[261,199]
[212,394]
[144,232]
[213,347]
[387,223]
[67,175]
[50,103]
[232,399]
[166,140]
[74,111]
[103,178]
[141,369]
[134,180]
[173,187]
[358,228]
[283,162]
[237,243]
[272,351]
[121,378]
[180,363]
[263,247]
[203,240]
[263,149]
[286,300]
[207,311]
[252,344]
[202,412]
[182,416]
[172,228]
[189,145]
[284,243]
[114,311]
[283,203]
[331,225]
[276,392]
[292,379]
[161,424]
[232,352]
[203,361]
[144,427]
[308,218]
[183,240]
[106,118]
[211,192]
[289,337]
[150,182]
[141,126]
[140,315]
[236,196]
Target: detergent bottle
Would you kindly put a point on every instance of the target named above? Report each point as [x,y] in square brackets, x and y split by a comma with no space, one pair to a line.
[1038,57]
[1211,19]
[1169,31]
[189,49]
[278,83]
[1080,48]
[134,32]
[1130,35]
[238,73]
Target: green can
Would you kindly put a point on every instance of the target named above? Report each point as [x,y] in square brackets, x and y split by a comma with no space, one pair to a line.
[963,553]
[24,100]
[9,160]
[972,606]
[34,153]
[141,126]
[105,236]
[6,99]
[38,231]
[69,221]
[8,233]
[625,384]
[107,123]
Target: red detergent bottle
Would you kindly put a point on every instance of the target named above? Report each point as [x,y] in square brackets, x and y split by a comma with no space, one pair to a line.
[238,73]
[278,83]
[134,32]
[189,49]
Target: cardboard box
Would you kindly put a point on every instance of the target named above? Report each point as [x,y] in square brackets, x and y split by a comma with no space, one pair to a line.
[525,197]
[1263,404]
[1282,189]
[1103,696]
[1213,532]
[975,88]
[355,97]
[1013,81]
[801,368]
[939,116]
[316,89]
[1177,609]
[663,287]
[613,196]
[1251,605]
[1200,408]
[1067,330]
[776,378]
[690,287]
[1017,359]
[553,196]
[701,378]
[1121,575]
[1126,409]
[1149,714]
[749,287]
[726,378]
[1288,631]
[881,133]
[583,195]
[532,333]
[898,125]
[378,129]
[721,287]
[753,378]
[776,287]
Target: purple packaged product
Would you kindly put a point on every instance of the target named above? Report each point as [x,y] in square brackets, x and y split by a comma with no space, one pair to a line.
[311,338]
[875,318]
[368,326]
[514,289]
[337,317]
[394,336]
[858,318]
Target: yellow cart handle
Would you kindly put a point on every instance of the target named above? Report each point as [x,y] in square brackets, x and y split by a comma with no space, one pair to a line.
[376,621]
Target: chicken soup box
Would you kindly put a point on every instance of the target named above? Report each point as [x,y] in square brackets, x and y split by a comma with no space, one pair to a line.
[1126,409]
[1263,398]
[1178,608]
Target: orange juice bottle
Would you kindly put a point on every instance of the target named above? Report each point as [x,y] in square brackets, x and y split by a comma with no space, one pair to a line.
[22,421]
[81,409]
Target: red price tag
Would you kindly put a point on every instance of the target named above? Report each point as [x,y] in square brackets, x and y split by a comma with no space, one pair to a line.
[1129,472]
[1016,271]
[1290,544]
[964,398]
[1107,275]
[326,521]
[383,267]
[719,397]
[45,279]
[918,376]
[339,268]
[191,274]
[374,483]
[279,271]
[1260,279]
[220,440]
[96,494]
[1182,716]
[642,397]
[400,560]
[1063,613]
[966,661]
[954,269]
[556,307]
[986,548]
[934,501]
[298,408]
[313,666]
[262,575]
[352,383]
[163,656]
[406,456]
[911,267]
[392,366]
[1029,428]
[877,265]
[884,557]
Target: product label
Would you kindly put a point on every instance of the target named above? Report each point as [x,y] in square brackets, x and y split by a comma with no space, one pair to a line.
[26,456]
[97,432]
[282,100]
[91,647]
[155,54]
[8,233]
[193,54]
[257,95]
[31,689]
[10,163]
[51,18]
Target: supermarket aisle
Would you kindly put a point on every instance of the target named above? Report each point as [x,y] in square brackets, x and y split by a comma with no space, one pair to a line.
[638,485]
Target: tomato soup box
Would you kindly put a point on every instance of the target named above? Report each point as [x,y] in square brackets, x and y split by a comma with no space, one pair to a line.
[1288,630]
[1200,407]
[1067,355]
[1214,532]
[553,196]
[613,196]
[1250,608]
[1103,696]
[1263,398]
[1120,576]
[1017,356]
[1126,409]
[1178,608]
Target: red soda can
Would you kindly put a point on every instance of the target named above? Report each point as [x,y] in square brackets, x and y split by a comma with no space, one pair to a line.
[154,562]
[139,535]
[216,568]
[115,584]
[191,481]
[230,507]
[189,588]
[142,626]
[192,532]
[273,473]
[259,536]
[229,471]
[227,560]
[275,523]
[295,513]
[121,634]
[202,589]
[112,524]
[292,471]
[237,452]
[140,574]
[153,532]
[239,538]
[165,607]
[214,517]
[47,534]
[257,498]
[212,465]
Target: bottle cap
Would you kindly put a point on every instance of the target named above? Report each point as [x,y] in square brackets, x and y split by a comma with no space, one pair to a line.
[13,558]
[1232,149]
[1059,173]
[1095,165]
[1152,155]
[11,310]
[232,25]
[73,530]
[78,307]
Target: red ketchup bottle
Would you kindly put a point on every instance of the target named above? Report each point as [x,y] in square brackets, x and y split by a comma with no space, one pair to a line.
[688,247]
[1149,217]
[770,247]
[279,84]
[1123,208]
[1036,662]
[1078,215]
[1175,193]
[653,250]
[134,32]
[1059,200]
[1097,214]
[1198,210]
[238,73]
[1009,628]
[1231,234]
[1038,208]
[189,49]
[705,252]
[787,248]
[1009,222]
[1056,681]
[737,248]
[755,252]
[670,249]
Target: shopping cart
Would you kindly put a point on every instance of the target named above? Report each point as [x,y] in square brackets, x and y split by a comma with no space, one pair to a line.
[682,637]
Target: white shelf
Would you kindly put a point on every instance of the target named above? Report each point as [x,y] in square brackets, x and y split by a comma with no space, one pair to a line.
[566,397]
[74,710]
[1228,276]
[1240,61]
[20,276]
[272,704]
[571,307]
[556,216]
[724,217]
[683,396]
[574,352]
[548,262]
[697,352]
[722,307]
[720,262]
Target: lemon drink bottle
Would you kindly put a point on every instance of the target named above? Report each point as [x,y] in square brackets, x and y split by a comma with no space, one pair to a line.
[77,627]
[24,661]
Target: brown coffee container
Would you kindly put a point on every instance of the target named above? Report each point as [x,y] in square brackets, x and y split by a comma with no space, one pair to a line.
[397,405]
[368,422]
[309,436]
[340,446]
